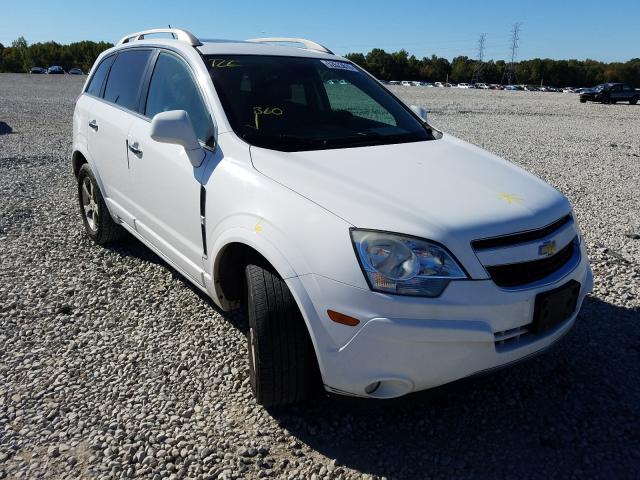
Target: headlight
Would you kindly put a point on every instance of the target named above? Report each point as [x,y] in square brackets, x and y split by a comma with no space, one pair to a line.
[404,265]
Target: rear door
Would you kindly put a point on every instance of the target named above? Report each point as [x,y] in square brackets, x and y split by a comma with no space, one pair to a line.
[167,194]
[616,93]
[110,117]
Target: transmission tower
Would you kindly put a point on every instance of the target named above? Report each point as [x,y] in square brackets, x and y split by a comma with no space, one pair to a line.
[478,74]
[509,73]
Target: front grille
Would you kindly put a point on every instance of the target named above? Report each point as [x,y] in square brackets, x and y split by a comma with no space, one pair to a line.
[521,237]
[517,274]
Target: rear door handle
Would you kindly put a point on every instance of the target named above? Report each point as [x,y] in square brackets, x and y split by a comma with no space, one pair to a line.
[93,124]
[133,147]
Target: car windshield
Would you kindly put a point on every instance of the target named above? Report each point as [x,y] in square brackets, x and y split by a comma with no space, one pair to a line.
[293,104]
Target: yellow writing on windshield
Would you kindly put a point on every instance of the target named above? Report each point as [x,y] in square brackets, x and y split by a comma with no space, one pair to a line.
[258,111]
[224,63]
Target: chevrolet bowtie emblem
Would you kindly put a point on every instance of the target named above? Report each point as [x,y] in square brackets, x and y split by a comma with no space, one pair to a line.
[547,248]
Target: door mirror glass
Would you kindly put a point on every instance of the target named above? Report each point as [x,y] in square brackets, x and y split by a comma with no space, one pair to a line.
[422,112]
[175,127]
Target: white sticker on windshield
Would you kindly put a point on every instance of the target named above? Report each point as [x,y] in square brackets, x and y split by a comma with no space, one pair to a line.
[339,65]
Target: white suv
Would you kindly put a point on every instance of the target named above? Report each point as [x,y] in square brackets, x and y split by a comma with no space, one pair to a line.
[372,252]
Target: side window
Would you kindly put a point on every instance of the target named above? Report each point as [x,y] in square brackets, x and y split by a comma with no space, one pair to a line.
[123,83]
[173,88]
[95,84]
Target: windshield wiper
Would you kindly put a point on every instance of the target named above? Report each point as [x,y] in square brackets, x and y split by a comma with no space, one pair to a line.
[375,138]
[284,140]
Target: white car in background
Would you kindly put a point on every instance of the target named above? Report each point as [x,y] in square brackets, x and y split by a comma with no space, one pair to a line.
[372,253]
[465,85]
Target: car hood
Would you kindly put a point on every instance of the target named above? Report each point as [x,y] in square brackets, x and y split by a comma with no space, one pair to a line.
[445,190]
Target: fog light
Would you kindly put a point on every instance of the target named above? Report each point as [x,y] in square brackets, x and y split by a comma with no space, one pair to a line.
[372,387]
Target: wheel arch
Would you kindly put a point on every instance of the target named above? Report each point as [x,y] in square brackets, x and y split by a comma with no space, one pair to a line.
[231,254]
[77,160]
[79,157]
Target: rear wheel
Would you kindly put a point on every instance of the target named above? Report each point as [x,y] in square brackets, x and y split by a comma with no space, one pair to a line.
[282,363]
[95,216]
[583,100]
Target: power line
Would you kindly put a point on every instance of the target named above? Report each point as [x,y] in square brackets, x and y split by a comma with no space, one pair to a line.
[478,74]
[509,73]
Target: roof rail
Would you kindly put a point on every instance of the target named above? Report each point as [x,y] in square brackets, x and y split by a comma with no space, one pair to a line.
[178,34]
[307,43]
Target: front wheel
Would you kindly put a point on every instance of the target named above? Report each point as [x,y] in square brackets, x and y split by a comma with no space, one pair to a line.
[633,101]
[95,216]
[282,362]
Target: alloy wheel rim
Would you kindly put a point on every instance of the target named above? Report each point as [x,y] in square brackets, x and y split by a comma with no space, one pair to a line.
[89,203]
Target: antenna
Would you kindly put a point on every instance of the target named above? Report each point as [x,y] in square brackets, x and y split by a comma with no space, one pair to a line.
[510,71]
[478,74]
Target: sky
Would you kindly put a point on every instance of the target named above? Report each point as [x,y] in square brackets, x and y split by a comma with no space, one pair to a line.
[560,29]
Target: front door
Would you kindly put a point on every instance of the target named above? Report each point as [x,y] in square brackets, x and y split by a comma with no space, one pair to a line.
[166,188]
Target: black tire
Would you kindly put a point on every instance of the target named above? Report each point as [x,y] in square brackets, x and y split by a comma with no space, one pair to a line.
[633,101]
[282,362]
[583,100]
[99,225]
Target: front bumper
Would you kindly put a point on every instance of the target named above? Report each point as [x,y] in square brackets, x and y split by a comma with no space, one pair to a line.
[409,344]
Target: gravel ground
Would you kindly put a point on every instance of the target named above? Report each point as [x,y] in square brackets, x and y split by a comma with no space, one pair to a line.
[111,365]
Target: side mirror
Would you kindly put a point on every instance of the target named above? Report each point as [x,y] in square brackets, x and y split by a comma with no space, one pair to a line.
[175,127]
[422,112]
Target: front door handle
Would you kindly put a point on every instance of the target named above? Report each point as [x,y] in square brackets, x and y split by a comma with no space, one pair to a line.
[93,124]
[134,149]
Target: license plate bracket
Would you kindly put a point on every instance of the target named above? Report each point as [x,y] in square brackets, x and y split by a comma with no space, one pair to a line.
[555,306]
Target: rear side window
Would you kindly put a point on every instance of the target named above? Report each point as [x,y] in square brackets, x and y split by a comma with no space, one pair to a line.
[172,87]
[125,78]
[95,84]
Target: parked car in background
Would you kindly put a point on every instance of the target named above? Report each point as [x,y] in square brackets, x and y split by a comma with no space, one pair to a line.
[513,87]
[482,86]
[496,86]
[438,84]
[406,83]
[465,85]
[610,93]
[355,275]
[55,70]
[394,82]
[38,70]
[76,71]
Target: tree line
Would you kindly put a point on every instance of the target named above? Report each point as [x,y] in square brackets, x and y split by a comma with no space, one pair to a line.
[21,57]
[558,73]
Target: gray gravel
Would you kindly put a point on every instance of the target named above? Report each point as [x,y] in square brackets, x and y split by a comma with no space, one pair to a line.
[112,366]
